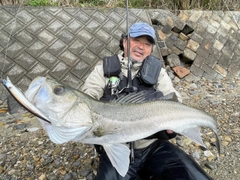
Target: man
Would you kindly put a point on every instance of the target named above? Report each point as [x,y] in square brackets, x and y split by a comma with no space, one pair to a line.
[154,157]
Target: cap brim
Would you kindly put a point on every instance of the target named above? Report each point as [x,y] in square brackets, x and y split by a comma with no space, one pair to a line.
[150,38]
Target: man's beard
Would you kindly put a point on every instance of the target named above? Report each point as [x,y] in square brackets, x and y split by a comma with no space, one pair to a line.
[136,61]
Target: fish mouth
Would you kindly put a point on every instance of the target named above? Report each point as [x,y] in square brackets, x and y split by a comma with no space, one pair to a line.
[22,100]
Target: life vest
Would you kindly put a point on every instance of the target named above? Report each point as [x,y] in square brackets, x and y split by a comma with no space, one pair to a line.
[145,79]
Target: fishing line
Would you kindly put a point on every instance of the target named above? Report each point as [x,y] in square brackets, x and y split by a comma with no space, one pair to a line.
[8,41]
[129,85]
[6,50]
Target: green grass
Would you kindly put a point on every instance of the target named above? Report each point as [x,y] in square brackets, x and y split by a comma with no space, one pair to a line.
[39,3]
[143,4]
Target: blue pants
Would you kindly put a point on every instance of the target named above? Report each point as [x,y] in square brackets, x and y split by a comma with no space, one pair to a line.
[159,161]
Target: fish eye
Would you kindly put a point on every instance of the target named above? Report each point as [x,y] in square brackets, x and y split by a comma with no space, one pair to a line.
[59,90]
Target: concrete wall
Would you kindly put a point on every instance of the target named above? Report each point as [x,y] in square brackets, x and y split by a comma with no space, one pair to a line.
[66,43]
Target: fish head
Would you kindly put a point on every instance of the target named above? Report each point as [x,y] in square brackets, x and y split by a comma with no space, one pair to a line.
[52,98]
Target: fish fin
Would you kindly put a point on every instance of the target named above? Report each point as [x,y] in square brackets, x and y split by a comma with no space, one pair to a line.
[218,144]
[140,97]
[194,134]
[61,134]
[169,97]
[119,157]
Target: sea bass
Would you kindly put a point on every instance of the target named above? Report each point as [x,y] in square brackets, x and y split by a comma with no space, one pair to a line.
[70,115]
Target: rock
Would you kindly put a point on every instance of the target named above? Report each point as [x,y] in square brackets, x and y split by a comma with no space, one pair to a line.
[210,165]
[181,71]
[183,37]
[193,86]
[68,176]
[20,126]
[228,138]
[162,35]
[32,129]
[42,177]
[91,176]
[173,60]
[47,161]
[13,105]
[1,169]
[221,70]
[195,155]
[167,29]
[225,143]
[193,45]
[52,176]
[86,169]
[164,51]
[176,51]
[188,56]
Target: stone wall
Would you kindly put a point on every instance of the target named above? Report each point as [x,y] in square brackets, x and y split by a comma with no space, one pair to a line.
[205,42]
[66,43]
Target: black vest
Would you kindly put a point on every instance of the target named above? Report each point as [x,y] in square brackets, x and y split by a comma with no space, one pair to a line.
[145,79]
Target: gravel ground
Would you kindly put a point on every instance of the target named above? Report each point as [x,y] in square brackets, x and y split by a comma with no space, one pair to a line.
[27,153]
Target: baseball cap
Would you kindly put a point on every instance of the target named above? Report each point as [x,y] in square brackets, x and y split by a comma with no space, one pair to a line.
[141,29]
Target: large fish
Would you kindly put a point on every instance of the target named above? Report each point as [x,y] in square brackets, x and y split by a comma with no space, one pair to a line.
[70,115]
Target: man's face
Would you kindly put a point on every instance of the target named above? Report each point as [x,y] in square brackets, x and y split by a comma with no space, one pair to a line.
[140,48]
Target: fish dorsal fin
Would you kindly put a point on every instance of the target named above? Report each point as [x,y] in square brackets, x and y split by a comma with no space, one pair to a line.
[119,157]
[194,134]
[131,98]
[61,134]
[140,97]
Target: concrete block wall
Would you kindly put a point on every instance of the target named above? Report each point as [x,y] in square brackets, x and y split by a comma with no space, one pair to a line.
[66,43]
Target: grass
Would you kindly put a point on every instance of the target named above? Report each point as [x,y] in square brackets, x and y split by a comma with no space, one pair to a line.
[40,3]
[146,4]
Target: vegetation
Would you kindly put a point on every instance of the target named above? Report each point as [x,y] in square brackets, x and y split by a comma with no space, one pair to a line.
[156,4]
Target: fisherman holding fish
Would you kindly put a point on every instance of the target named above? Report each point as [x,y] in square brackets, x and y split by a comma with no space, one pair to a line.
[154,157]
[127,119]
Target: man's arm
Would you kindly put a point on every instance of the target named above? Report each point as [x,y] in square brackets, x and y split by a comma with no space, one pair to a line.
[95,82]
[165,85]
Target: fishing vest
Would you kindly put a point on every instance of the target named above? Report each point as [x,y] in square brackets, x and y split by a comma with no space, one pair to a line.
[144,80]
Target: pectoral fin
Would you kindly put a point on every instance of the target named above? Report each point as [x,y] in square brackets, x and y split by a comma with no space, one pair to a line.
[119,157]
[61,134]
[195,135]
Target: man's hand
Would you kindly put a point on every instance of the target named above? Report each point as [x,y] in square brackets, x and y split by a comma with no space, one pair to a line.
[169,131]
[171,134]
